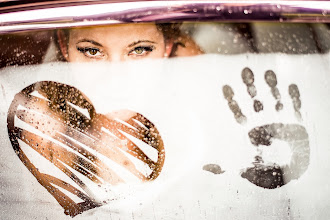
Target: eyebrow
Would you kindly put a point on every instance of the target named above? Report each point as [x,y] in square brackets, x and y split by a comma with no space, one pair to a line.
[90,41]
[141,41]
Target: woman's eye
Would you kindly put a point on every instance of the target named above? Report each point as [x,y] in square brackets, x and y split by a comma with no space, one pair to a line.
[93,51]
[141,51]
[90,52]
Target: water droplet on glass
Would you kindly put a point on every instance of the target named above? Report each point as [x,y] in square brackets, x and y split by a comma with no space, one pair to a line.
[246,11]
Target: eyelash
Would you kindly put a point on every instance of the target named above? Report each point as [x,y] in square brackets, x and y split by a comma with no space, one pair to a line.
[85,50]
[147,49]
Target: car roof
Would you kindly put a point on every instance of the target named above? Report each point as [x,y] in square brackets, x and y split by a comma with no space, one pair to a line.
[45,14]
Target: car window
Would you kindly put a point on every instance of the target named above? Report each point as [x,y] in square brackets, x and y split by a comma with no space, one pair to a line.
[172,120]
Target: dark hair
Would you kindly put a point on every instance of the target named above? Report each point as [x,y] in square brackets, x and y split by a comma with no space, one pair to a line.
[169,30]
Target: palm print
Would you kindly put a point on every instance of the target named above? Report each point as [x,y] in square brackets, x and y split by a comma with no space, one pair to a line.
[272,176]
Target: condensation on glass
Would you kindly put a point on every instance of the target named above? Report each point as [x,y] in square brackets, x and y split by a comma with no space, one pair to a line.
[60,124]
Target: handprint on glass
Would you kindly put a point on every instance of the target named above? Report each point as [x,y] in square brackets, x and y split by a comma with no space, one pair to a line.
[295,135]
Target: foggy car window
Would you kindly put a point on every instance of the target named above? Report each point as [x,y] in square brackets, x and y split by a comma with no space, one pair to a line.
[180,120]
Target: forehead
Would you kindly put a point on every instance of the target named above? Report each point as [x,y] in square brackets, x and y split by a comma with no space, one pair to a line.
[124,31]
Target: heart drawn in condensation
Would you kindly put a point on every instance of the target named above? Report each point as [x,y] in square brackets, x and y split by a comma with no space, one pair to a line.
[61,124]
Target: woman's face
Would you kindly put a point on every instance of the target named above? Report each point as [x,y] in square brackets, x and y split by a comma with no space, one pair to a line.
[115,43]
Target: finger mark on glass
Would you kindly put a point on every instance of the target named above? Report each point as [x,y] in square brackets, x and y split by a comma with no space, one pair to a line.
[295,96]
[271,80]
[248,80]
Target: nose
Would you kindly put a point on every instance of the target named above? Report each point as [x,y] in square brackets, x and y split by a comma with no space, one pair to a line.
[116,57]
